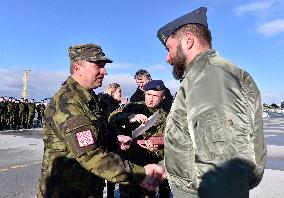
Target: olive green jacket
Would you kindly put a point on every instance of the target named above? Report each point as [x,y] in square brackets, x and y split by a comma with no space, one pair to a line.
[75,147]
[214,141]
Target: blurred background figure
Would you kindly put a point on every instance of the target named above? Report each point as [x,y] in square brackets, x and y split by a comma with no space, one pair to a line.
[111,100]
[40,112]
[141,77]
[31,113]
[22,115]
[9,113]
[3,110]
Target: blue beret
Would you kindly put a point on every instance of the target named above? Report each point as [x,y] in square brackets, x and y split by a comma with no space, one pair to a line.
[197,16]
[156,85]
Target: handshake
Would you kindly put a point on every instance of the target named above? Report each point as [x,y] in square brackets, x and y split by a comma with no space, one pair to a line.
[155,175]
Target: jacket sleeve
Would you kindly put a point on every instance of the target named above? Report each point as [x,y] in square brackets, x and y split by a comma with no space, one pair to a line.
[222,130]
[85,141]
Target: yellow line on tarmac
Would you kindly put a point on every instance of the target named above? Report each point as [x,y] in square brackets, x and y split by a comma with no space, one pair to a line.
[19,166]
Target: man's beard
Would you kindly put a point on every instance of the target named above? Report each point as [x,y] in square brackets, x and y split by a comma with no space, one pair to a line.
[178,63]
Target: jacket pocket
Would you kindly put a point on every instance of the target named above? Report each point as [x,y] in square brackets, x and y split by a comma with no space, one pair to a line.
[179,156]
[214,135]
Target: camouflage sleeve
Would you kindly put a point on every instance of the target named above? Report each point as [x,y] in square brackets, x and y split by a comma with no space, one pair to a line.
[160,127]
[85,142]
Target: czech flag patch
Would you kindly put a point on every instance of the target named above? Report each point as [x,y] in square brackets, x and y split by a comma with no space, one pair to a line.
[85,138]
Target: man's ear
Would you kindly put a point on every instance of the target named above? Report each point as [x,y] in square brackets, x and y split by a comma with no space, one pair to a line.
[77,69]
[188,40]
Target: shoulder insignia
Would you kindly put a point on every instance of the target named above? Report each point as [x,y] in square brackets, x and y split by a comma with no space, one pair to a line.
[85,138]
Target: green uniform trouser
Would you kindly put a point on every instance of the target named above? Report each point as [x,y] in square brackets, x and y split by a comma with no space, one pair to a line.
[31,121]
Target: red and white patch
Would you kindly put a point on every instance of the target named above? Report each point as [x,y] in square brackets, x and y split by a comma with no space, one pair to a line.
[85,138]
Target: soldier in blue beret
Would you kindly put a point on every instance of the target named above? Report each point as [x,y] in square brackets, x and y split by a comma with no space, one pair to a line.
[126,120]
[214,141]
[156,85]
[142,77]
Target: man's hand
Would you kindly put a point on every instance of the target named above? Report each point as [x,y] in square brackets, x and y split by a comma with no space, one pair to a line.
[138,118]
[155,175]
[124,101]
[147,144]
[124,141]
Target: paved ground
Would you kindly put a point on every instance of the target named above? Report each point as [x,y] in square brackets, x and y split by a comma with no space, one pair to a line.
[21,154]
[273,181]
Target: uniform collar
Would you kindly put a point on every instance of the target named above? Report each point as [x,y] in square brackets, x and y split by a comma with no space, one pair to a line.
[192,66]
[85,94]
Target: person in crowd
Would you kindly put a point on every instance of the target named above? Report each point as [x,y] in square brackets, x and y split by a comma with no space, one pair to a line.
[31,113]
[3,112]
[40,108]
[76,159]
[141,77]
[150,149]
[110,100]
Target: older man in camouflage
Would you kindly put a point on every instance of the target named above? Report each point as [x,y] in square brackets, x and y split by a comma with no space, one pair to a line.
[148,147]
[76,160]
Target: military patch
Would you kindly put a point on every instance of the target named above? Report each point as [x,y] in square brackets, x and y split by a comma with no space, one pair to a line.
[85,138]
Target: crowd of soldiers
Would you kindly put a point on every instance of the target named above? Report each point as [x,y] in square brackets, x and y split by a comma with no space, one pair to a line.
[20,114]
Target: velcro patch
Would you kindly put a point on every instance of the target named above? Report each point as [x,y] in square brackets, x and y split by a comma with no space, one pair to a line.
[85,138]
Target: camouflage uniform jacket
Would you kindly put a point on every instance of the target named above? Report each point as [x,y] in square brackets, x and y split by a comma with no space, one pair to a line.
[10,106]
[136,153]
[3,108]
[32,109]
[3,111]
[214,140]
[40,110]
[21,107]
[74,149]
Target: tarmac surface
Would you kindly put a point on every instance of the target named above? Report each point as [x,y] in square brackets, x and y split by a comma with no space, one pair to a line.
[21,155]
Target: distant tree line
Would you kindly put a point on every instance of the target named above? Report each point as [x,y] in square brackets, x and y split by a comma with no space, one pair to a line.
[273,105]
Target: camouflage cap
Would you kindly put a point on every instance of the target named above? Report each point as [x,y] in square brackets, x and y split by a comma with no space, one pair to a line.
[88,52]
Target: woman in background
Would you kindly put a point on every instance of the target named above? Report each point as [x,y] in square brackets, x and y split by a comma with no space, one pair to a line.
[111,100]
